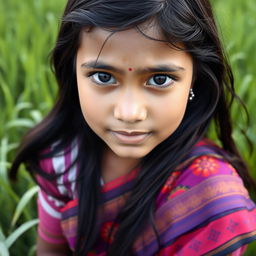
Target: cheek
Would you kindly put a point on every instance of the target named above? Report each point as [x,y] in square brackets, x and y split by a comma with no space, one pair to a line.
[172,118]
[170,114]
[90,105]
[86,102]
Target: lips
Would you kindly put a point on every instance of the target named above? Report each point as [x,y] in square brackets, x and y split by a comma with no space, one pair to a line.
[134,133]
[130,137]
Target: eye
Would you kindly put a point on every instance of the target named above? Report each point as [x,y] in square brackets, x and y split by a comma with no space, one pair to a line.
[161,81]
[103,78]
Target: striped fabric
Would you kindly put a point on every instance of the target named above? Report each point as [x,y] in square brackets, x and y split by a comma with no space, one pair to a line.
[203,208]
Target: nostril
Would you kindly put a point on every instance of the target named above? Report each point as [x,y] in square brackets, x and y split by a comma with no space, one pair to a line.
[130,115]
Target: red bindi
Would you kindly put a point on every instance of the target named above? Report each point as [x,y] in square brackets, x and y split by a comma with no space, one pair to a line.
[130,69]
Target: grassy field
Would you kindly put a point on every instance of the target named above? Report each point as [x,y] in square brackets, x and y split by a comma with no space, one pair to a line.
[27,90]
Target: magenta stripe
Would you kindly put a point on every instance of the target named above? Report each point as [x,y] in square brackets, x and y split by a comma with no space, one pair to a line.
[47,166]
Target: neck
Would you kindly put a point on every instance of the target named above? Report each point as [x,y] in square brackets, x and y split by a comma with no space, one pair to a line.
[114,166]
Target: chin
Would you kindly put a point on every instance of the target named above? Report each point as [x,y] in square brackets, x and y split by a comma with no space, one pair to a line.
[131,153]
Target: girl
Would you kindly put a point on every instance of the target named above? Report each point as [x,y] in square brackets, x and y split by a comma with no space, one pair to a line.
[122,159]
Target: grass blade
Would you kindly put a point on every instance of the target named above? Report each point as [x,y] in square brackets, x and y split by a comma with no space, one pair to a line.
[3,249]
[3,158]
[19,231]
[22,122]
[22,204]
[2,236]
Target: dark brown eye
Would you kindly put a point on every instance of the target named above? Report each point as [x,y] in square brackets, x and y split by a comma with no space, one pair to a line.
[104,77]
[160,79]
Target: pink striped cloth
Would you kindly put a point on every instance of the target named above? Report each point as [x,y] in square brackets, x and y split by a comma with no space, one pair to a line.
[54,195]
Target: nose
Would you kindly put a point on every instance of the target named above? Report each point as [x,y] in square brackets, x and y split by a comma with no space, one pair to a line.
[130,107]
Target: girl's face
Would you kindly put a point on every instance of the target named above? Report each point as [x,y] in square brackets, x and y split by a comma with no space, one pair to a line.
[134,93]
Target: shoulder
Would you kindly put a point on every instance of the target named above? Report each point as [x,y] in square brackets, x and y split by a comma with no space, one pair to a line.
[58,170]
[207,179]
[206,169]
[206,203]
[205,164]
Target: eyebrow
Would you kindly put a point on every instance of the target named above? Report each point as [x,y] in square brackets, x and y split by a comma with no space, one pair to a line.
[158,68]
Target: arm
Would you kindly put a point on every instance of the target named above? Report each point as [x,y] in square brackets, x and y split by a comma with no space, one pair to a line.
[239,252]
[50,238]
[47,249]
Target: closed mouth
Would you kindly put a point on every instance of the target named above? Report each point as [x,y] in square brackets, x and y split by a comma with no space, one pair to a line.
[131,133]
[130,137]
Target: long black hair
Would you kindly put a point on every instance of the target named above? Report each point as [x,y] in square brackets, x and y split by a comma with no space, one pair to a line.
[190,22]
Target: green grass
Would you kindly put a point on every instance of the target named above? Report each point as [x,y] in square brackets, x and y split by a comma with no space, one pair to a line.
[27,89]
[238,21]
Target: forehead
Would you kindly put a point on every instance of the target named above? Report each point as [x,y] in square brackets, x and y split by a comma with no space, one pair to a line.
[129,47]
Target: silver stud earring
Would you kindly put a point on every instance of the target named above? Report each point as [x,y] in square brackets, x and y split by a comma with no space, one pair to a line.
[191,94]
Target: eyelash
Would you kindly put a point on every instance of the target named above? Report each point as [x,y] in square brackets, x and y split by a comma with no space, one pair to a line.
[171,78]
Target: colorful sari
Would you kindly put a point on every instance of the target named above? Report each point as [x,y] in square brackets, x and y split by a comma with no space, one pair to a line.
[203,209]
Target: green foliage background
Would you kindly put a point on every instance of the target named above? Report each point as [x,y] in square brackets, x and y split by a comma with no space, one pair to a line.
[27,90]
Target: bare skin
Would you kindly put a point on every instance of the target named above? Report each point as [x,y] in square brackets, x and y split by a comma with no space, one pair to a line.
[47,249]
[118,93]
